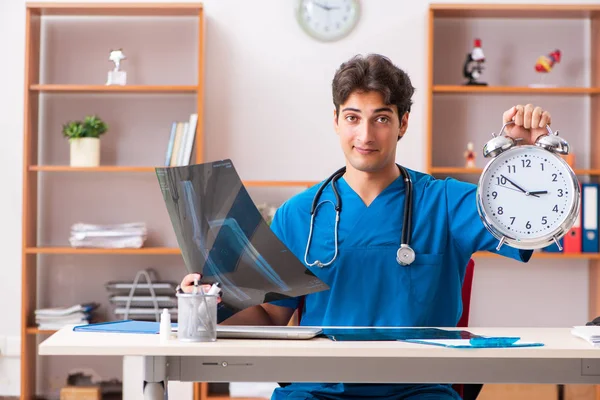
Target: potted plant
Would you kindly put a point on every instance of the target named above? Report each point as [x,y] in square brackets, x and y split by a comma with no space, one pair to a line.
[84,140]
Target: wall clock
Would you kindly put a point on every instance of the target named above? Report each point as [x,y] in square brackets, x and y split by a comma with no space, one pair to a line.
[328,20]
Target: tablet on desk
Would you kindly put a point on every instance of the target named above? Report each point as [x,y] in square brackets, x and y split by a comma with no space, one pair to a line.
[267,332]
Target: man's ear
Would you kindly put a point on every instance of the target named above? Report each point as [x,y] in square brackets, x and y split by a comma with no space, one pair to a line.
[403,125]
[335,121]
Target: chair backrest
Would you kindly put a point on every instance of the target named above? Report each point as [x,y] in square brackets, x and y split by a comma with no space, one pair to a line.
[466,295]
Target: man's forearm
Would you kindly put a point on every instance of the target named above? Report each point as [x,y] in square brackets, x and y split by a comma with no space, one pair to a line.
[255,315]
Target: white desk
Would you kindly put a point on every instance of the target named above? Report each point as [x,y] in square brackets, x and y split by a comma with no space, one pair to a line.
[564,359]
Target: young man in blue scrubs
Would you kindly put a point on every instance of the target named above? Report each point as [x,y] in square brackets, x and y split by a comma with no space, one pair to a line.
[368,287]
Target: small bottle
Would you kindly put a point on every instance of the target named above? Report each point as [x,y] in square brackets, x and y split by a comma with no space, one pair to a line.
[165,325]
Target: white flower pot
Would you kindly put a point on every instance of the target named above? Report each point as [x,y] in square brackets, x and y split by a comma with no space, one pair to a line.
[85,152]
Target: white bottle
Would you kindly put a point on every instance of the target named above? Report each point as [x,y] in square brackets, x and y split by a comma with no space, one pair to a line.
[165,326]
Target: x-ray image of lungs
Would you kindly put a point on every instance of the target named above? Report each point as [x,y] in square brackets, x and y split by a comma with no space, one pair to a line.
[199,239]
[237,238]
[222,235]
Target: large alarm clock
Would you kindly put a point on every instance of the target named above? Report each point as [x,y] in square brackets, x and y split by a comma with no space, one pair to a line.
[528,196]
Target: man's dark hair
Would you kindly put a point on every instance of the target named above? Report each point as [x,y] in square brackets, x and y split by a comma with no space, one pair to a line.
[373,73]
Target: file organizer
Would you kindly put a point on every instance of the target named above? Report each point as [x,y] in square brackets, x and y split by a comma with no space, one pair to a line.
[142,301]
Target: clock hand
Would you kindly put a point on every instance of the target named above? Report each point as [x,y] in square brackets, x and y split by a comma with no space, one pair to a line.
[510,188]
[325,7]
[538,192]
[534,194]
[514,184]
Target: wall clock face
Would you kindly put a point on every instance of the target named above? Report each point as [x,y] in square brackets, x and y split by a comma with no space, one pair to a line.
[328,20]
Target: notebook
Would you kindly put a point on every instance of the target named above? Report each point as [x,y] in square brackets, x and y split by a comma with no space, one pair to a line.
[223,331]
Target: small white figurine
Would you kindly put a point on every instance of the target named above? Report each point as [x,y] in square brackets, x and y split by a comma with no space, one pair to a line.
[116,76]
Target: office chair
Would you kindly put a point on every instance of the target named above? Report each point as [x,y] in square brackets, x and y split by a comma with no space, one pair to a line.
[467,391]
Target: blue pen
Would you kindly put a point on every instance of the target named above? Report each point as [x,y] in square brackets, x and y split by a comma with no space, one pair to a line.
[493,341]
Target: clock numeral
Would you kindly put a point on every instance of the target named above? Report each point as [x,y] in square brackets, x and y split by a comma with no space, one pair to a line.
[527,164]
[528,225]
[494,195]
[555,209]
[500,211]
[542,164]
[512,168]
[512,220]
[554,176]
[544,220]
[501,180]
[560,193]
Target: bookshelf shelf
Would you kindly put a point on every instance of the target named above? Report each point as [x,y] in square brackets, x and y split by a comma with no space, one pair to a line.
[103,168]
[72,250]
[117,9]
[51,88]
[463,171]
[539,11]
[538,255]
[514,90]
[126,168]
[34,330]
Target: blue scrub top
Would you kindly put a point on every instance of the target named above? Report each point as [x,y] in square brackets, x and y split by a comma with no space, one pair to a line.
[367,285]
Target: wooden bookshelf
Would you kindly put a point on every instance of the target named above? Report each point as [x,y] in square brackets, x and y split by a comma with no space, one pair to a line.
[445,92]
[34,90]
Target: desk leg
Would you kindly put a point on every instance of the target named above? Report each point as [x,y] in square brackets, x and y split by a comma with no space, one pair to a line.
[155,378]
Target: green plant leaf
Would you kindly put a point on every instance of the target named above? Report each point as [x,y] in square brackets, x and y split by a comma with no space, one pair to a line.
[91,126]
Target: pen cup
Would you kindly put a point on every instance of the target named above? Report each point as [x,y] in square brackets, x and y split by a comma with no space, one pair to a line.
[196,317]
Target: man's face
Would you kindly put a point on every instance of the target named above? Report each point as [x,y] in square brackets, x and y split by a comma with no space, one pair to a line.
[369,130]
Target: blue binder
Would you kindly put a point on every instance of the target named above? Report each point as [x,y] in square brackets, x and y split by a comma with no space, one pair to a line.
[589,217]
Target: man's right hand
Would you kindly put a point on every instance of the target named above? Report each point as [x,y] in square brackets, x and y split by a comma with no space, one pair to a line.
[187,283]
[264,314]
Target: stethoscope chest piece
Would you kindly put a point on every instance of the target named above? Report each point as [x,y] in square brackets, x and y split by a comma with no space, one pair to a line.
[405,255]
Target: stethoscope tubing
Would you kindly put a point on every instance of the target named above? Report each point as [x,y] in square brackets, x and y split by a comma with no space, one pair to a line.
[406,224]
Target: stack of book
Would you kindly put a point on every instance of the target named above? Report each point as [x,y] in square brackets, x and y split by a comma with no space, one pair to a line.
[181,142]
[130,235]
[57,317]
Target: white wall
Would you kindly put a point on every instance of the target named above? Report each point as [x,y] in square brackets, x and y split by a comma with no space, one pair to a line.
[266,81]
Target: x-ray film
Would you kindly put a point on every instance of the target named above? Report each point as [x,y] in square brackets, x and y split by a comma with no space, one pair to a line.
[223,236]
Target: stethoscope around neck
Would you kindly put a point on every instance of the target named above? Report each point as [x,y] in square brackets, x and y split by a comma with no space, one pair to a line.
[405,254]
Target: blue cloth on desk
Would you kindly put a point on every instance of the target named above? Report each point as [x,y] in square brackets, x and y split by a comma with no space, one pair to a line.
[367,286]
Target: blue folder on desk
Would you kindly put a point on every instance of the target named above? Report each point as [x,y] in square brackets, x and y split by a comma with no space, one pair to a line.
[431,336]
[393,334]
[477,343]
[123,326]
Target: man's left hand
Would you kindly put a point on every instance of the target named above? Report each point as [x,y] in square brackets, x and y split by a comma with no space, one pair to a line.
[529,123]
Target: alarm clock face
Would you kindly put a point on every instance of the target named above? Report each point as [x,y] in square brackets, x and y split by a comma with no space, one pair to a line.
[529,195]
